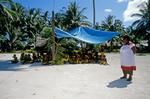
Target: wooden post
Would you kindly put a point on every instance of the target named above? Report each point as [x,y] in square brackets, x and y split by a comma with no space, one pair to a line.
[53,37]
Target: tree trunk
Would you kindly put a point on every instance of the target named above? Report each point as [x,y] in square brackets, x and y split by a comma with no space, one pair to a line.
[53,37]
[111,46]
[93,13]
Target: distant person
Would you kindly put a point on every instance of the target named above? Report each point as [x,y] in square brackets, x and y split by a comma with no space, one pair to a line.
[103,59]
[86,59]
[34,57]
[96,57]
[29,60]
[65,59]
[15,59]
[127,52]
[22,58]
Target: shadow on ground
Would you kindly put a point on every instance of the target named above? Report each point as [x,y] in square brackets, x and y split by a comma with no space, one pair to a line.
[141,54]
[119,83]
[6,65]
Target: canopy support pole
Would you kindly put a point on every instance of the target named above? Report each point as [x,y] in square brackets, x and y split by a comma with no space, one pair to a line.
[53,37]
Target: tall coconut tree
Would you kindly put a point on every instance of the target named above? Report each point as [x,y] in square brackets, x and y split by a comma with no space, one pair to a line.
[142,25]
[132,32]
[6,14]
[59,20]
[5,8]
[73,16]
[32,27]
[112,24]
[108,23]
[7,18]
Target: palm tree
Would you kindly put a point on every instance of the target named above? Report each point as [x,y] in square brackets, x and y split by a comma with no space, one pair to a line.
[33,24]
[115,25]
[112,24]
[7,18]
[73,16]
[108,23]
[6,14]
[59,20]
[5,8]
[19,26]
[132,32]
[142,25]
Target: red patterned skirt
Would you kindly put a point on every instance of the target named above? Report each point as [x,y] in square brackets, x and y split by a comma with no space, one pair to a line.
[128,68]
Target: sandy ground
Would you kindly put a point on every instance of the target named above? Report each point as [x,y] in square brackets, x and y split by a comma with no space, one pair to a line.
[80,81]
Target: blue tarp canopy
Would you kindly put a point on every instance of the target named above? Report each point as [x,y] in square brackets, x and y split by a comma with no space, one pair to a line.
[87,35]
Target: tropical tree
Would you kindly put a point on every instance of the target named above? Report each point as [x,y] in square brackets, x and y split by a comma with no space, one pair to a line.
[132,32]
[73,16]
[115,25]
[19,26]
[6,14]
[112,24]
[142,25]
[5,8]
[35,21]
[7,18]
[59,19]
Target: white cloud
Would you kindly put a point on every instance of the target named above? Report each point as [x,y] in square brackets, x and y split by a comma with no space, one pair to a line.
[131,9]
[108,10]
[122,1]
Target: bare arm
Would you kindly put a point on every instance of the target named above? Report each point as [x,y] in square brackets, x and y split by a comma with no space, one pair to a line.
[134,49]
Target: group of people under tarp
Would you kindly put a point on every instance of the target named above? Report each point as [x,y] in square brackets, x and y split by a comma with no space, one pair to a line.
[77,57]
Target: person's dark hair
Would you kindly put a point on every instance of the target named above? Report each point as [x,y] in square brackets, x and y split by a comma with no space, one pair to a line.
[126,37]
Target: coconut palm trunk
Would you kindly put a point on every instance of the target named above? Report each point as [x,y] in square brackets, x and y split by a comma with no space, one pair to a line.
[93,13]
[53,37]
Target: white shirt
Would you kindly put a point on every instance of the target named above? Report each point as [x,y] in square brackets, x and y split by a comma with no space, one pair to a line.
[127,55]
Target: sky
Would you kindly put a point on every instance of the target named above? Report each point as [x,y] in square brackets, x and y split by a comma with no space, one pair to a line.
[121,9]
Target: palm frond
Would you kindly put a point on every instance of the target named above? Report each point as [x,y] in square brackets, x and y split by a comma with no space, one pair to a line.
[137,15]
[10,13]
[6,1]
[136,22]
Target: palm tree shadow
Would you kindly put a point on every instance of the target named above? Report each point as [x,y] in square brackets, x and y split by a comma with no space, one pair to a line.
[119,83]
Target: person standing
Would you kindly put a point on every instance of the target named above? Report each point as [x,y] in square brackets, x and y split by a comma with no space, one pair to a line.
[127,58]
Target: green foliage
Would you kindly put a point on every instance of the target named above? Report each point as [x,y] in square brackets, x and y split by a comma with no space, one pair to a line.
[112,24]
[69,45]
[59,56]
[72,17]
[46,32]
[20,27]
[142,25]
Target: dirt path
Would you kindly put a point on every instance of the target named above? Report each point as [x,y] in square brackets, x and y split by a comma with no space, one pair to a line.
[81,81]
